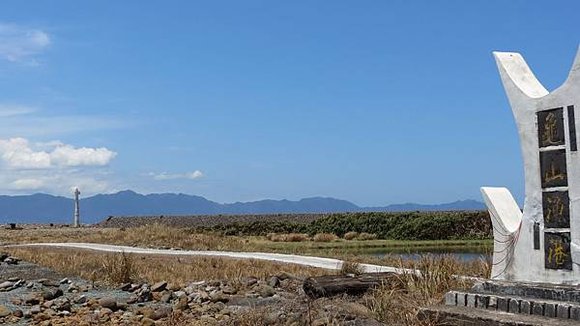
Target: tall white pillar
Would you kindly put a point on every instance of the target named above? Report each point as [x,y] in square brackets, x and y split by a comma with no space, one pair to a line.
[77,216]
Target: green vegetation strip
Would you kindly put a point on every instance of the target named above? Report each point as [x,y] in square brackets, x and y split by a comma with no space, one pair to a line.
[468,225]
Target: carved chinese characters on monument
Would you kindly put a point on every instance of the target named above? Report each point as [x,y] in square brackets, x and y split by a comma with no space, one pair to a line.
[551,127]
[556,209]
[557,254]
[553,168]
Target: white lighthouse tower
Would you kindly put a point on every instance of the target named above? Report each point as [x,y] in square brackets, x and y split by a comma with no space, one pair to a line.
[77,215]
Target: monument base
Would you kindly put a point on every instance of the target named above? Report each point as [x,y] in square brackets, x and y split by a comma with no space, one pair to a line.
[507,303]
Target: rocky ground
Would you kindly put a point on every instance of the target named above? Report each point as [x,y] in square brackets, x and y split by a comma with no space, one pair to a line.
[33,295]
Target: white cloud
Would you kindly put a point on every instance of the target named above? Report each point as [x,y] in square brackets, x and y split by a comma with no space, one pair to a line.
[34,125]
[18,153]
[21,44]
[174,176]
[58,182]
[7,110]
[53,167]
[66,155]
[27,184]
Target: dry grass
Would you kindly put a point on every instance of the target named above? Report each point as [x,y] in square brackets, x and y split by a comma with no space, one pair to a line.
[350,235]
[351,268]
[119,268]
[290,237]
[161,236]
[154,235]
[363,236]
[178,270]
[398,301]
[366,236]
[324,237]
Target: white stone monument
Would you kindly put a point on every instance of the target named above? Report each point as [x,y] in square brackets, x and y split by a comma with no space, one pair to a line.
[77,214]
[542,244]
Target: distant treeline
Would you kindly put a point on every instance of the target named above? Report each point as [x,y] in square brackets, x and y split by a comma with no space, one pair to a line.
[386,225]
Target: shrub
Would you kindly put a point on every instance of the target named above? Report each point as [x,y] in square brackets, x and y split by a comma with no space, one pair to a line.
[350,235]
[366,236]
[351,268]
[291,237]
[296,237]
[118,268]
[383,225]
[399,300]
[271,236]
[324,237]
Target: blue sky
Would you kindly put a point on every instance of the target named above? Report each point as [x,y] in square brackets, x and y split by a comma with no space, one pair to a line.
[375,102]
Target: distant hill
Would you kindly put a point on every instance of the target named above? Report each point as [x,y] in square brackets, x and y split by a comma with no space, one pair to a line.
[460,205]
[43,208]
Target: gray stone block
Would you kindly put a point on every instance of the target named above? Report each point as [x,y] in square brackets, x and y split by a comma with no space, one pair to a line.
[550,310]
[492,303]
[563,311]
[537,308]
[575,312]
[472,300]
[481,301]
[451,298]
[525,307]
[461,299]
[502,304]
[514,306]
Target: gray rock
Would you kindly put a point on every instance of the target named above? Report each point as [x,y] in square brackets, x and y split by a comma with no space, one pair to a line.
[229,290]
[161,312]
[266,291]
[179,294]
[132,299]
[62,305]
[274,281]
[250,281]
[125,287]
[49,294]
[159,286]
[108,302]
[35,309]
[6,285]
[181,304]
[166,297]
[134,287]
[217,296]
[81,299]
[31,299]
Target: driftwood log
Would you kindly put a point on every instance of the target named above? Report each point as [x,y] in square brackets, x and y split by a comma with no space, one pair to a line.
[331,285]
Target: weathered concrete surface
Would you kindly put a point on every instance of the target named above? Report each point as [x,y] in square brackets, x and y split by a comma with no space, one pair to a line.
[530,290]
[320,262]
[466,316]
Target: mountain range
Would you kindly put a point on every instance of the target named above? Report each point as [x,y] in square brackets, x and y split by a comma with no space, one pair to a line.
[44,208]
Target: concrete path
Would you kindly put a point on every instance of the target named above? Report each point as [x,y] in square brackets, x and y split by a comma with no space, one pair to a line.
[319,262]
